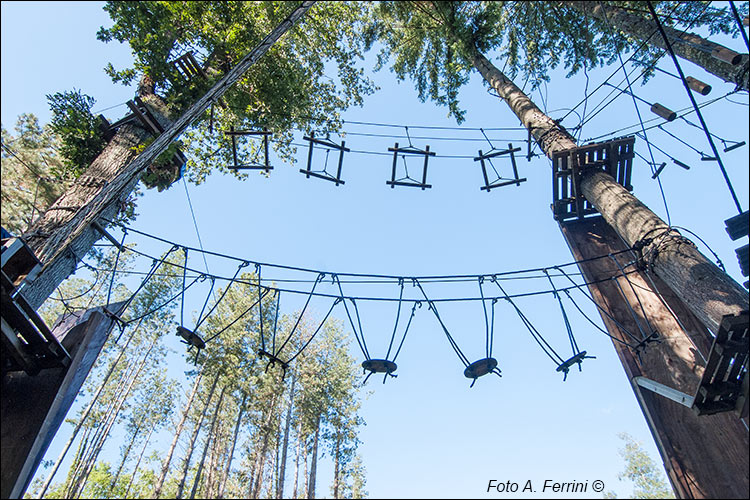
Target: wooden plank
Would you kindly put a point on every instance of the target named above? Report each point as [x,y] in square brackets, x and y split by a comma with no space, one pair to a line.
[32,408]
[705,456]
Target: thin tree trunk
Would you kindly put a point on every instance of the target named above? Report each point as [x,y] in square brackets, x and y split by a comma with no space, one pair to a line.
[337,467]
[314,463]
[138,462]
[83,418]
[228,467]
[124,459]
[208,442]
[694,48]
[178,432]
[285,446]
[191,446]
[261,457]
[701,285]
[104,435]
[297,457]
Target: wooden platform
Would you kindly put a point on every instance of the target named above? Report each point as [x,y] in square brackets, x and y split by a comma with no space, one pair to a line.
[724,386]
[27,343]
[614,157]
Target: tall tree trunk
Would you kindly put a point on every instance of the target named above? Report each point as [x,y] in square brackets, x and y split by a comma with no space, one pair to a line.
[125,456]
[261,457]
[314,463]
[297,457]
[138,462]
[695,49]
[83,418]
[228,466]
[111,421]
[337,467]
[197,480]
[285,446]
[706,290]
[114,174]
[191,445]
[178,432]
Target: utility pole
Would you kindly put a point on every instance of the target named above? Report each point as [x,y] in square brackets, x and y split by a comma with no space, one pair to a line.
[60,251]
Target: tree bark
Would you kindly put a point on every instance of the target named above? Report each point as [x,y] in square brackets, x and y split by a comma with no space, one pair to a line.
[138,462]
[285,446]
[296,460]
[81,420]
[706,290]
[178,432]
[99,443]
[314,463]
[643,28]
[115,173]
[208,441]
[228,467]
[703,287]
[196,431]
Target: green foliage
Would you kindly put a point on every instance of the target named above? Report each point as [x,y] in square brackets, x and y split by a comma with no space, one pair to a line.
[78,129]
[290,88]
[647,478]
[31,173]
[432,42]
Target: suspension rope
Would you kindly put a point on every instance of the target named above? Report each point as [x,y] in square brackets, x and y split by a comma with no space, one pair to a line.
[452,342]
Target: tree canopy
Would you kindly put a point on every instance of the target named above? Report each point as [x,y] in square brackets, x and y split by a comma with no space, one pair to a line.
[430,42]
[304,82]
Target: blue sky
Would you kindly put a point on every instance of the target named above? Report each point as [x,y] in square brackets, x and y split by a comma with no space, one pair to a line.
[427,433]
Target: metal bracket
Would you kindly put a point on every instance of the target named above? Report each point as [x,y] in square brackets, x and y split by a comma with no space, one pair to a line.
[664,390]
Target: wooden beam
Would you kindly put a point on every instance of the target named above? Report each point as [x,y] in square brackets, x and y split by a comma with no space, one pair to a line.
[705,456]
[32,408]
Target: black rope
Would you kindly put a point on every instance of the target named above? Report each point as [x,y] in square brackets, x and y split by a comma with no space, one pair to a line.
[695,106]
[571,337]
[182,302]
[406,330]
[487,341]
[398,316]
[276,318]
[320,278]
[114,270]
[360,342]
[548,350]
[640,304]
[260,297]
[195,280]
[260,311]
[739,23]
[603,311]
[336,301]
[452,342]
[223,293]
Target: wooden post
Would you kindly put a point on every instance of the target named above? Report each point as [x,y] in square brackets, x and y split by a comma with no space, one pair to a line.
[33,407]
[704,288]
[705,456]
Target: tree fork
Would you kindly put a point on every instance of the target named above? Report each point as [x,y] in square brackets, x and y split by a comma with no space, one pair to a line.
[644,29]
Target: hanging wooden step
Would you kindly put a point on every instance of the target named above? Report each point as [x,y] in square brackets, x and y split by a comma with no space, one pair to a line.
[614,157]
[27,343]
[724,386]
